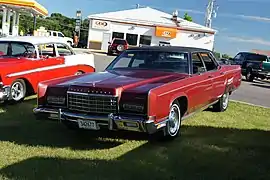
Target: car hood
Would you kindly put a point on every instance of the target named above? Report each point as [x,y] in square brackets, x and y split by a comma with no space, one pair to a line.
[116,81]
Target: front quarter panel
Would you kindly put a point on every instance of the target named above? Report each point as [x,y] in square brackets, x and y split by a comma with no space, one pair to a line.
[161,98]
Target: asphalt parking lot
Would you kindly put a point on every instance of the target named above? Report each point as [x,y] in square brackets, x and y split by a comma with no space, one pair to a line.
[256,93]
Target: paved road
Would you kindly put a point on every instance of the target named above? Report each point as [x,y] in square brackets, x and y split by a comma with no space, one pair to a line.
[257,93]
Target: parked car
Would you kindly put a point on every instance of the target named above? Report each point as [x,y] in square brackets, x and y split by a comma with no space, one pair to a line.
[253,65]
[61,35]
[224,61]
[145,89]
[27,60]
[117,46]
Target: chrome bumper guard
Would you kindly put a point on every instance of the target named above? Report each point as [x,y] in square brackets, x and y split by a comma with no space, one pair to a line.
[111,122]
[4,93]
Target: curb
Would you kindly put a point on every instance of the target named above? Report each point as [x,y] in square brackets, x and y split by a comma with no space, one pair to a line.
[242,102]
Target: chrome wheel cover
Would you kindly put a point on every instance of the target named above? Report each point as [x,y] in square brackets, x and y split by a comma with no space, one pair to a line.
[78,73]
[17,91]
[174,120]
[225,100]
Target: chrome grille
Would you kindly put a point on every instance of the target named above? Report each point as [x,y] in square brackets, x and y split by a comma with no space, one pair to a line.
[92,103]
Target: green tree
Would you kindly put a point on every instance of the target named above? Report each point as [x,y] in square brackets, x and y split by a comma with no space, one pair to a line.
[216,54]
[187,17]
[226,56]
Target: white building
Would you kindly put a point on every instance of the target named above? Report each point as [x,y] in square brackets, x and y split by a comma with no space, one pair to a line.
[147,26]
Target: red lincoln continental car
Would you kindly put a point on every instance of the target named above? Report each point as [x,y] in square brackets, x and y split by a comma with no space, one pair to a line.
[25,61]
[146,89]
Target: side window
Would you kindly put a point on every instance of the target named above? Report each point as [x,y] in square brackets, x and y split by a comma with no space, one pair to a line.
[239,58]
[63,50]
[3,49]
[23,50]
[46,50]
[54,34]
[209,63]
[198,66]
[60,35]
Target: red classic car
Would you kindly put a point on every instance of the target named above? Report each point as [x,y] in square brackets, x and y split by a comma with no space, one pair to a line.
[146,89]
[25,61]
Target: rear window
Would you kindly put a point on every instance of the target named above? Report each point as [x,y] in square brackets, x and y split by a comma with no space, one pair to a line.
[119,41]
[256,57]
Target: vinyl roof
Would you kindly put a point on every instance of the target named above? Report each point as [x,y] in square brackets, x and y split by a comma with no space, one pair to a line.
[169,48]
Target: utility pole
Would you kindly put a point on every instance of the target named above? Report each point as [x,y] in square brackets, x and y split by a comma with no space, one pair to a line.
[211,11]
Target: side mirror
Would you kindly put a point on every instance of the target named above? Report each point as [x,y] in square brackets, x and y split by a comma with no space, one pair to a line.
[109,43]
[219,67]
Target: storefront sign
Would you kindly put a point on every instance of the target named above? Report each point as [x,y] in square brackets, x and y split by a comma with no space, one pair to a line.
[103,25]
[166,32]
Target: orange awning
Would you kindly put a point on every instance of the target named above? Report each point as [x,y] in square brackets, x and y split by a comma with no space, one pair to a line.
[27,4]
[166,32]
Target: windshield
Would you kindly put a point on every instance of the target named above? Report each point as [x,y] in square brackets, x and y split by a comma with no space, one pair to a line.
[151,60]
[17,49]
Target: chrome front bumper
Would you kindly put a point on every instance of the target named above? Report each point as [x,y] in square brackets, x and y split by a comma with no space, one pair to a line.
[4,93]
[111,121]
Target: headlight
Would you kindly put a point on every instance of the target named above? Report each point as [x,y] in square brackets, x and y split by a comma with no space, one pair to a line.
[133,107]
[56,100]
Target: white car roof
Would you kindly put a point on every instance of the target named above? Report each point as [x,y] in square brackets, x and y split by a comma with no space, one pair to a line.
[34,39]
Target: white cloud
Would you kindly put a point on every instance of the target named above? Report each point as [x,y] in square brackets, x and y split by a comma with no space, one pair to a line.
[248,17]
[249,40]
[256,18]
[191,11]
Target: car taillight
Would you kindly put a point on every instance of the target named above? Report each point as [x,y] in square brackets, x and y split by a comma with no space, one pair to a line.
[261,65]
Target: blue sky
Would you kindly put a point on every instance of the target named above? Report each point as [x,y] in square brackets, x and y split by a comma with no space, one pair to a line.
[242,24]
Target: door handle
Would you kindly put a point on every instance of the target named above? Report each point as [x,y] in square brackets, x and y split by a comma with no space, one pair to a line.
[222,73]
[210,76]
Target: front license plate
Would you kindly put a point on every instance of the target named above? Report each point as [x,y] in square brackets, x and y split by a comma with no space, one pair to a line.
[87,124]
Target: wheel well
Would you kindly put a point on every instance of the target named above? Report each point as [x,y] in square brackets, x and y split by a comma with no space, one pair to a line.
[183,102]
[29,87]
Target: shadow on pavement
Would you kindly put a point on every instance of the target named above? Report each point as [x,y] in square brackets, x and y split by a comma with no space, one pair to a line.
[201,153]
[262,85]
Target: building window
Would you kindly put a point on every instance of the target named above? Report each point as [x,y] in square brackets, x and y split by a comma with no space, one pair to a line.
[145,40]
[118,35]
[132,39]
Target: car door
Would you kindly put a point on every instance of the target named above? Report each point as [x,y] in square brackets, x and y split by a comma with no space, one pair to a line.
[49,62]
[240,60]
[200,93]
[216,74]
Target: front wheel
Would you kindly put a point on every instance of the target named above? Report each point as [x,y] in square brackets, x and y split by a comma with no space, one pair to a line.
[222,104]
[18,90]
[172,129]
[249,76]
[79,73]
